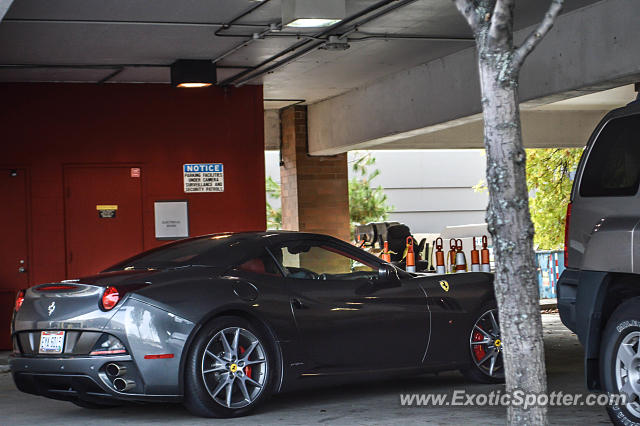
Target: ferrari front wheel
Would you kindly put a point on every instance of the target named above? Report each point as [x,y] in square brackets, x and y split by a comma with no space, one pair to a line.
[485,348]
[230,369]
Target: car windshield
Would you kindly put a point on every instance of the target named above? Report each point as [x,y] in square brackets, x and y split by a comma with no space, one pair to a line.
[194,251]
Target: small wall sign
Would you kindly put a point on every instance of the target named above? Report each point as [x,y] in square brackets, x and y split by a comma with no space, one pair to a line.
[135,172]
[172,219]
[107,211]
[203,177]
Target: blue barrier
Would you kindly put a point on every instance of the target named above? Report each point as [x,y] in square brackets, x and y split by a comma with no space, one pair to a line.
[549,265]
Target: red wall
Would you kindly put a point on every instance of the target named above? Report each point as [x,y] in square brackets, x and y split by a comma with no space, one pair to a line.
[47,126]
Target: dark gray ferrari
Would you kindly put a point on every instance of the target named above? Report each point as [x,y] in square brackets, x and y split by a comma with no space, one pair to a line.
[221,322]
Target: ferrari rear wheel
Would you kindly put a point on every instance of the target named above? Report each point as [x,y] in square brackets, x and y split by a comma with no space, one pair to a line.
[485,348]
[229,370]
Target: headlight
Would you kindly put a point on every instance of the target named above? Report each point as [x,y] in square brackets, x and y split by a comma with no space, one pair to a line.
[108,345]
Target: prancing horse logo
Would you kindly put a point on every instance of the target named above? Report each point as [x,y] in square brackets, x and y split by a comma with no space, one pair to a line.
[51,308]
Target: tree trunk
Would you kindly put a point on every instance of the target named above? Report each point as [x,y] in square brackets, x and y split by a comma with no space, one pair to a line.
[510,225]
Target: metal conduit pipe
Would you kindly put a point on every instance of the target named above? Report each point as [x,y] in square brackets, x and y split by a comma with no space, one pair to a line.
[102,66]
[244,77]
[409,37]
[245,43]
[241,15]
[112,22]
[234,79]
[241,45]
[365,36]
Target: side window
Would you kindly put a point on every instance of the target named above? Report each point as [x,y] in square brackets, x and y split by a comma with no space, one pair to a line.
[613,167]
[308,260]
[263,264]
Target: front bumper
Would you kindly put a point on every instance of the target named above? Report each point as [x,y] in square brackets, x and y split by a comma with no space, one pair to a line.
[78,378]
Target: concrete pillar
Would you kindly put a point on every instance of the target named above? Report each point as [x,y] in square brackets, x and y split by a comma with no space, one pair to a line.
[315,190]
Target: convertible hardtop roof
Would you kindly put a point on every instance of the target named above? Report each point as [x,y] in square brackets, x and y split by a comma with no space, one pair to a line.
[216,249]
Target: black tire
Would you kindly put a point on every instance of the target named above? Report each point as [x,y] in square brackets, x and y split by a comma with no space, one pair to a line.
[197,397]
[474,372]
[623,324]
[94,405]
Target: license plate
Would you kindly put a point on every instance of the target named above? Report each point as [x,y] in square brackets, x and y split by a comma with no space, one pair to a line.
[51,342]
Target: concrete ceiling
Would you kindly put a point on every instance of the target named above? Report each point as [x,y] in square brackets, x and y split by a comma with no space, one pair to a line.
[565,123]
[125,41]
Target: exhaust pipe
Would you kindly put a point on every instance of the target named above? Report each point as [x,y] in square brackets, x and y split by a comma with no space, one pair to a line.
[115,370]
[123,385]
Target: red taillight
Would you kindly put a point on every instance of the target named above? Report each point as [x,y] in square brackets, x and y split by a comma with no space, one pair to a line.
[567,220]
[57,287]
[110,298]
[19,300]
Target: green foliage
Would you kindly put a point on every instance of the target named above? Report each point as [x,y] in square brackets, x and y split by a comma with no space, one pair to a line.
[274,216]
[366,202]
[549,176]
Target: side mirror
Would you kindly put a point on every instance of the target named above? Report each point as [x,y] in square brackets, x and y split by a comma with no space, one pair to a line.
[387,272]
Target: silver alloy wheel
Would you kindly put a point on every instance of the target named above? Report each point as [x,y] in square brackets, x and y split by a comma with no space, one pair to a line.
[486,345]
[627,369]
[234,367]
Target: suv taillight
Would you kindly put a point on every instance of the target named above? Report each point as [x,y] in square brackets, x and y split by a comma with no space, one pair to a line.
[19,300]
[567,221]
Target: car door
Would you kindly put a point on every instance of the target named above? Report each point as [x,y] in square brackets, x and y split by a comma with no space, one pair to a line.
[347,318]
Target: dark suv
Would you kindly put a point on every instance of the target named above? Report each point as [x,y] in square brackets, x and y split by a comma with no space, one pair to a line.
[599,292]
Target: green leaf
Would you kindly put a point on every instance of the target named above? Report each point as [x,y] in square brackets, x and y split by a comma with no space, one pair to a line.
[548,179]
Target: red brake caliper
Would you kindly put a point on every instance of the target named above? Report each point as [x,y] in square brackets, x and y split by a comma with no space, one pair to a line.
[478,350]
[247,369]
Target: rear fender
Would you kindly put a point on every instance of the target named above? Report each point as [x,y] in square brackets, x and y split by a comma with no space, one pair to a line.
[611,244]
[240,310]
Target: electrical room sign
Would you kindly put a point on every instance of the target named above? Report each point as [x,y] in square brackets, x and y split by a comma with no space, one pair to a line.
[203,177]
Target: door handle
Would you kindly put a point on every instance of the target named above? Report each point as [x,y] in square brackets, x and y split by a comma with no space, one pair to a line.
[297,303]
[22,269]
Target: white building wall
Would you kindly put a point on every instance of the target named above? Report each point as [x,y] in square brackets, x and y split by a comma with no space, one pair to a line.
[428,189]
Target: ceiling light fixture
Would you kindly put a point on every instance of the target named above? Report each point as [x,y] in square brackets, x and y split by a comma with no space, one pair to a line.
[191,73]
[312,13]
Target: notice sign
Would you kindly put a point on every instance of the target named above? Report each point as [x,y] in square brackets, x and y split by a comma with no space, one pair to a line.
[204,177]
[172,219]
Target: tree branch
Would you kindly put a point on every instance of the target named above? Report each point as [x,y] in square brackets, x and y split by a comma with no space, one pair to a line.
[538,34]
[468,10]
[501,28]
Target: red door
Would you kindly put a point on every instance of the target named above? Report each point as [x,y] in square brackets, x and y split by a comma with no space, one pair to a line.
[103,217]
[14,262]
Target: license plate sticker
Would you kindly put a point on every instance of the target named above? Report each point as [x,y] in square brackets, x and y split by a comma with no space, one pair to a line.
[51,342]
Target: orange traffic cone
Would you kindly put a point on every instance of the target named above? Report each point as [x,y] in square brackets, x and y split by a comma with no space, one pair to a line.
[461,259]
[411,257]
[475,258]
[451,256]
[440,269]
[484,254]
[386,256]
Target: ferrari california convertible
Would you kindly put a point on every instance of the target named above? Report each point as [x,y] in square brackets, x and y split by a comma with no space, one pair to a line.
[221,322]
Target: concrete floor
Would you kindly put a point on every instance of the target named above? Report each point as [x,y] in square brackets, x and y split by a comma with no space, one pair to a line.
[376,403]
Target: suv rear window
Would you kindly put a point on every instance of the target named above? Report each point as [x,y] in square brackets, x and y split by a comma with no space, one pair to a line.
[613,167]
